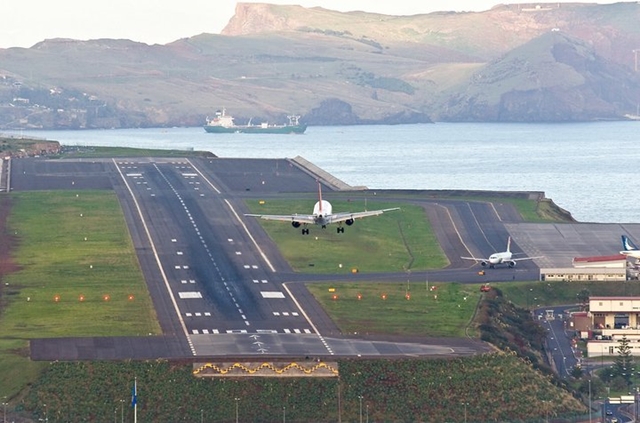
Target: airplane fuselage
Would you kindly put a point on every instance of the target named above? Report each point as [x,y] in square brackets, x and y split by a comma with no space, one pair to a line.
[499,258]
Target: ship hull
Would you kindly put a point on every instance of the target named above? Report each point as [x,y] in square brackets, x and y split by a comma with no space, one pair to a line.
[288,129]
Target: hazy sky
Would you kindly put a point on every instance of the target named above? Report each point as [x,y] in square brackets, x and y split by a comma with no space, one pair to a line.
[26,22]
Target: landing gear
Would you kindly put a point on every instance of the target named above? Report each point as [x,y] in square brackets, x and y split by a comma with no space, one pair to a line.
[340,229]
[305,231]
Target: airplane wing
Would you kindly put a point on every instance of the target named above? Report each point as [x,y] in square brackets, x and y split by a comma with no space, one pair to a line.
[526,258]
[341,217]
[474,258]
[301,218]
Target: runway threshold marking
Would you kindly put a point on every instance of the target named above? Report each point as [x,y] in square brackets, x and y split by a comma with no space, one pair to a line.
[158,262]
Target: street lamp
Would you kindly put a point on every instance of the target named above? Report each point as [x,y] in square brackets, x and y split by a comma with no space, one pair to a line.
[4,410]
[237,399]
[201,416]
[121,411]
[465,411]
[284,414]
[360,398]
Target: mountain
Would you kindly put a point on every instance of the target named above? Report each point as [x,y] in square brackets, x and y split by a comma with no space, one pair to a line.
[513,63]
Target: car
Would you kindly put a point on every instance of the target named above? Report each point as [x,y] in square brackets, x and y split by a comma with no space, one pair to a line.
[609,413]
[614,420]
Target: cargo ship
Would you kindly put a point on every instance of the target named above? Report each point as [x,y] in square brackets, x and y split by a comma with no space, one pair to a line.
[222,123]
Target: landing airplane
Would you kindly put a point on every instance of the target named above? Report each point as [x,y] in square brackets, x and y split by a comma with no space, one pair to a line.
[630,249]
[504,257]
[322,215]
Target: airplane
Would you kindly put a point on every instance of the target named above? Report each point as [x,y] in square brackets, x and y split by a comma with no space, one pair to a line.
[630,249]
[322,215]
[504,257]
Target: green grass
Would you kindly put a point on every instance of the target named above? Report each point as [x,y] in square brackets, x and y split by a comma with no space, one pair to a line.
[58,262]
[396,241]
[101,152]
[71,245]
[440,310]
[534,294]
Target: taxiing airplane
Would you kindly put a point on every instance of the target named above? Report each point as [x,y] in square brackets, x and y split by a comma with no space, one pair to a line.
[630,249]
[322,215]
[504,257]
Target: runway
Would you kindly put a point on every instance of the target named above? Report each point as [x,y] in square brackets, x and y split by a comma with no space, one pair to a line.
[221,289]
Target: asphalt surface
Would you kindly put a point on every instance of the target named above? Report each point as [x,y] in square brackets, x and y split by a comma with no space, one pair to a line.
[221,289]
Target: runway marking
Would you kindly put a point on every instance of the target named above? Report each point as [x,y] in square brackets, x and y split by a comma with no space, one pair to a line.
[304,314]
[203,242]
[272,294]
[189,294]
[158,262]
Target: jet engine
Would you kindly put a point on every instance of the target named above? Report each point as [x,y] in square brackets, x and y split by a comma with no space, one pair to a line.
[484,263]
[295,224]
[349,222]
[512,263]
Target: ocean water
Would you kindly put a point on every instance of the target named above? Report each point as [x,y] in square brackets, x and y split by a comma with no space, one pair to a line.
[590,169]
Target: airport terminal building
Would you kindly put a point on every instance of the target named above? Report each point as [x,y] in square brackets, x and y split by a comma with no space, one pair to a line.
[608,320]
[599,268]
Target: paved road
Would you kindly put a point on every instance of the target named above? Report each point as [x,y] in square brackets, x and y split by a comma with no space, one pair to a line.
[218,284]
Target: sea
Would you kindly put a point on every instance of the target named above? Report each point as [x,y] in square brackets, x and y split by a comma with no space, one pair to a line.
[590,169]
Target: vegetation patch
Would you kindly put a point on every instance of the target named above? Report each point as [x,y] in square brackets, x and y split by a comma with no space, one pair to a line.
[77,259]
[412,309]
[432,390]
[396,241]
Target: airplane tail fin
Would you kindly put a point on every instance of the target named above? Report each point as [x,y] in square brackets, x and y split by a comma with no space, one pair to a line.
[627,244]
[509,244]
[320,196]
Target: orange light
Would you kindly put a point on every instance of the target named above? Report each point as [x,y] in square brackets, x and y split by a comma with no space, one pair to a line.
[334,296]
[56,298]
[384,296]
[81,298]
[130,297]
[359,296]
[408,296]
[106,297]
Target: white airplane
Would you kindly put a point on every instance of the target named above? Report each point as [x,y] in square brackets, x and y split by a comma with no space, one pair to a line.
[322,215]
[504,257]
[630,249]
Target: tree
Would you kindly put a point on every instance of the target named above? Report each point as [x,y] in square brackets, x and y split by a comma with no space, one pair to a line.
[623,365]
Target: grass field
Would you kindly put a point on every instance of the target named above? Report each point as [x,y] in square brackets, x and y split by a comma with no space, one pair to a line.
[79,277]
[414,309]
[101,152]
[396,241]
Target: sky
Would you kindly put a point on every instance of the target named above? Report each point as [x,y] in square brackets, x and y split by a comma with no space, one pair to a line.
[27,22]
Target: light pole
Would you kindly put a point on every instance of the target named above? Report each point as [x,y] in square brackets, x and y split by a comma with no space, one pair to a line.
[284,414]
[201,416]
[589,400]
[465,411]
[367,420]
[46,417]
[237,399]
[360,398]
[4,410]
[121,411]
